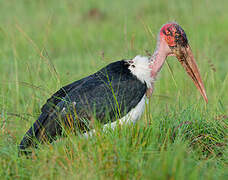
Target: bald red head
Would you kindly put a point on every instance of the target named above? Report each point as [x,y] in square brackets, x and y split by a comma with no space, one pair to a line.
[173,35]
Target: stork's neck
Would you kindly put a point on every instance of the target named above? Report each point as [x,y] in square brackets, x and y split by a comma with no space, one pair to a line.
[158,58]
[157,61]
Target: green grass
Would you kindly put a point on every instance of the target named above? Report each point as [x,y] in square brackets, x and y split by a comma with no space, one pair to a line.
[47,44]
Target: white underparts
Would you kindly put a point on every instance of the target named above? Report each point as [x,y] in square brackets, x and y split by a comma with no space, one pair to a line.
[139,66]
[131,117]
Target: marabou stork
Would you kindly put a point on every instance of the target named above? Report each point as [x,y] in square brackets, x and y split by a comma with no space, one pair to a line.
[114,94]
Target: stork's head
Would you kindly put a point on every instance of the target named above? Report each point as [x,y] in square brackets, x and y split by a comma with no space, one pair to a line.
[174,42]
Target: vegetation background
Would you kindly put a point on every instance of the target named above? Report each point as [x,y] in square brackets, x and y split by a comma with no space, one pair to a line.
[47,44]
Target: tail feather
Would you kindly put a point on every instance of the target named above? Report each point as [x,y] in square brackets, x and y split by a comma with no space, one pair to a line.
[45,129]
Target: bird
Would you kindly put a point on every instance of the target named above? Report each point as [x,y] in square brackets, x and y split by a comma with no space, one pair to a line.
[116,94]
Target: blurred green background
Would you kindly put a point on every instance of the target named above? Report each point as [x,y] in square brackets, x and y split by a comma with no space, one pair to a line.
[47,44]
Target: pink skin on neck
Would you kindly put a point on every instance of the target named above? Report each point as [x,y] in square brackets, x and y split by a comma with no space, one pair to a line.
[160,56]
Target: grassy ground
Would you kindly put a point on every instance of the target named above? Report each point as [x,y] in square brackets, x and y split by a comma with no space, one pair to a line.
[47,44]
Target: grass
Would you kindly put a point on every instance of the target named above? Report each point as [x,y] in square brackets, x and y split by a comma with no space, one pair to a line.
[47,44]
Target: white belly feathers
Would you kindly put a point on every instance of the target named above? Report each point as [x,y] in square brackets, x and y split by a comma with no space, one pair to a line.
[131,117]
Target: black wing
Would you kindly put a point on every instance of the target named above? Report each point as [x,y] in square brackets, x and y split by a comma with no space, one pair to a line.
[106,95]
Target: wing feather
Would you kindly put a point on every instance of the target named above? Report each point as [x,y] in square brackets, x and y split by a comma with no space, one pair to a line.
[106,95]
